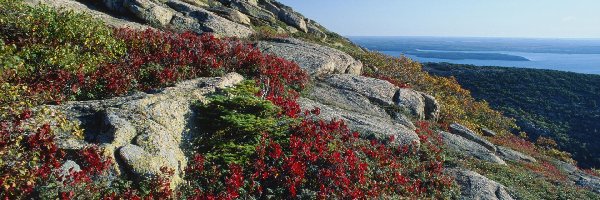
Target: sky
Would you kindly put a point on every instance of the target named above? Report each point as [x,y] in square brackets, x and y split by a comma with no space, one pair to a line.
[456,18]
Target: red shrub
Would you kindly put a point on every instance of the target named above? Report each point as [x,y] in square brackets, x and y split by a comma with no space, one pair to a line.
[156,59]
[26,158]
[325,157]
[548,170]
[516,143]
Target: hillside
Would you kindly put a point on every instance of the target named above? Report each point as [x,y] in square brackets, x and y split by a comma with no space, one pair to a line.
[552,104]
[242,99]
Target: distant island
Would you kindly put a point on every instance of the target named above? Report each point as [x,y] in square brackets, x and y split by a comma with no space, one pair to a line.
[581,56]
[464,55]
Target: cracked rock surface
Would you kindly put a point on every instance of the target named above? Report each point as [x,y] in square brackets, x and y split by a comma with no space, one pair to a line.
[315,59]
[476,186]
[144,132]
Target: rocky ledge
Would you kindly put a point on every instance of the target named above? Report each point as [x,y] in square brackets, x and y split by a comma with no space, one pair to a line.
[143,132]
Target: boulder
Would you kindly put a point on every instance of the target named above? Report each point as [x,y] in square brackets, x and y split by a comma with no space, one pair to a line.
[253,2]
[291,29]
[201,20]
[345,99]
[271,7]
[253,10]
[469,148]
[412,101]
[144,132]
[363,103]
[286,15]
[183,23]
[150,12]
[421,105]
[512,155]
[475,186]
[315,59]
[140,163]
[369,126]
[294,20]
[379,91]
[471,135]
[314,30]
[231,14]
[432,107]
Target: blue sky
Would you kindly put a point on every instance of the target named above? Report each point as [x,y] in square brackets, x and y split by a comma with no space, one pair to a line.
[483,18]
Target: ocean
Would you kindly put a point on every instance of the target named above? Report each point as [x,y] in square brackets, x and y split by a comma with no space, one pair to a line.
[573,55]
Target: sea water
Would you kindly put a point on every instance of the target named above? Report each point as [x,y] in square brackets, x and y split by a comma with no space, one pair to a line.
[581,56]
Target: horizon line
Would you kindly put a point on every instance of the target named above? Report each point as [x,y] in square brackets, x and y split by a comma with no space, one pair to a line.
[499,37]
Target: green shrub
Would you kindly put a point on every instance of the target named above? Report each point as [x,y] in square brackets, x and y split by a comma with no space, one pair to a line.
[9,61]
[45,39]
[234,122]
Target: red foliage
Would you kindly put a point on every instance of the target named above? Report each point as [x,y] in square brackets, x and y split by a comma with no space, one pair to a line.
[92,164]
[327,158]
[516,143]
[157,59]
[210,182]
[160,186]
[39,156]
[548,170]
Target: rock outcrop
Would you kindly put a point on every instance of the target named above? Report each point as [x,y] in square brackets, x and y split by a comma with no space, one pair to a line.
[232,14]
[252,9]
[475,186]
[589,181]
[365,104]
[190,17]
[469,148]
[316,59]
[421,105]
[369,126]
[471,135]
[143,132]
[466,142]
[150,12]
[512,155]
[174,14]
[579,177]
[228,18]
